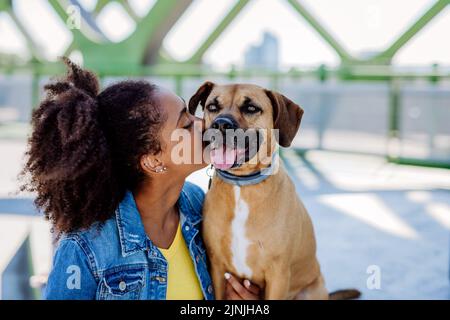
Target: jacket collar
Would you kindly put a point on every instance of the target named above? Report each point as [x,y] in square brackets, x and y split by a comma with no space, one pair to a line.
[132,234]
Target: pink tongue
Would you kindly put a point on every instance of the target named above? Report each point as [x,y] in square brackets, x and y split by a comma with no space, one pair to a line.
[223,158]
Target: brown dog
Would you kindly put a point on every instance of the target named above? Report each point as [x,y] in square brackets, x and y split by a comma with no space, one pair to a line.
[255,226]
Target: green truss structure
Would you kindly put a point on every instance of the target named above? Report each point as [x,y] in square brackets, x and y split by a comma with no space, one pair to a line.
[142,52]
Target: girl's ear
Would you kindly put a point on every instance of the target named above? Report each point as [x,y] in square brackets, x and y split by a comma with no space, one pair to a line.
[150,163]
[200,96]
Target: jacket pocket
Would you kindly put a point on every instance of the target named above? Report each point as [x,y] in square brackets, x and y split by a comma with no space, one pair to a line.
[122,283]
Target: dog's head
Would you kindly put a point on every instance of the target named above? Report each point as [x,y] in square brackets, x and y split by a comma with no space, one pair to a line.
[244,116]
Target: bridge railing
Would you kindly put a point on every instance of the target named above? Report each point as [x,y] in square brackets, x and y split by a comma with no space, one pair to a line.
[402,115]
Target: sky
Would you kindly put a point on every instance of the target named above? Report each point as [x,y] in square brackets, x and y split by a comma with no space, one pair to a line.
[362,26]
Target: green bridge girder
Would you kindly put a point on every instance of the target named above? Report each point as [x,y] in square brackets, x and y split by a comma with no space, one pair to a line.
[215,34]
[142,47]
[142,50]
[7,6]
[387,55]
[384,57]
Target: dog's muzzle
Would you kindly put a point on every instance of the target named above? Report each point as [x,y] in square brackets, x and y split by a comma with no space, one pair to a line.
[230,145]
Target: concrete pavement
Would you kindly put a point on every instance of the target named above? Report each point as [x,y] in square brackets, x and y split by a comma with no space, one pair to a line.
[376,223]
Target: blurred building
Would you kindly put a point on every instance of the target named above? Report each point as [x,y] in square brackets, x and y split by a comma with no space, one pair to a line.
[264,55]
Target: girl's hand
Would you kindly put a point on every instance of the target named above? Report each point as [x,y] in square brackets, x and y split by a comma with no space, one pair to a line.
[235,289]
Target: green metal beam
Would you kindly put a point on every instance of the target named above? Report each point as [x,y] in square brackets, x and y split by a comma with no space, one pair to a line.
[226,21]
[31,44]
[415,28]
[394,113]
[5,5]
[320,29]
[419,162]
[100,5]
[60,8]
[126,5]
[144,46]
[153,28]
[140,47]
[354,73]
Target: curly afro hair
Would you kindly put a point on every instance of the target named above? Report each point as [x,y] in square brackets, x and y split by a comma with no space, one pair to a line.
[85,147]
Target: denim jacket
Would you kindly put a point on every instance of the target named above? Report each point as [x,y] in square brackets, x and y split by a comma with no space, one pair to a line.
[118,261]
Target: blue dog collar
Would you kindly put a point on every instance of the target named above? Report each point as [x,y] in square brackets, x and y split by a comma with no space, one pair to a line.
[253,178]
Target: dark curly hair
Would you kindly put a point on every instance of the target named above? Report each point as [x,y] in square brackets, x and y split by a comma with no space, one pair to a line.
[85,147]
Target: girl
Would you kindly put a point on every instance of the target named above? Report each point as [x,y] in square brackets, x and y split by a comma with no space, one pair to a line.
[127,222]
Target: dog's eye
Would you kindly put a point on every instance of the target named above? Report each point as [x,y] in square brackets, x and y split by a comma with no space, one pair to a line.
[212,107]
[250,109]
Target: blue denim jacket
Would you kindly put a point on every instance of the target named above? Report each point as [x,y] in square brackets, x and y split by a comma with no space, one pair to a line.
[119,261]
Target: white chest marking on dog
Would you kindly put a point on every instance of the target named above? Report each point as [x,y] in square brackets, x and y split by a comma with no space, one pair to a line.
[239,242]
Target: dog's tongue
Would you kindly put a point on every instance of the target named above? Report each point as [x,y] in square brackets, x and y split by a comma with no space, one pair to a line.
[223,157]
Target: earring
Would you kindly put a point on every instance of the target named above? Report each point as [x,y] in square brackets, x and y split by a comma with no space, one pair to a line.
[161,169]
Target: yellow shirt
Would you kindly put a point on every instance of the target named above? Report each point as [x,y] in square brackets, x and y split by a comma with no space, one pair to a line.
[182,281]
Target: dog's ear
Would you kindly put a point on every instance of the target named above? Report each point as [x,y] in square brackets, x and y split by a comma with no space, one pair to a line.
[200,96]
[286,117]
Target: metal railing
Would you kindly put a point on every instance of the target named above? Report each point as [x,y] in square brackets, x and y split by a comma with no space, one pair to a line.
[401,114]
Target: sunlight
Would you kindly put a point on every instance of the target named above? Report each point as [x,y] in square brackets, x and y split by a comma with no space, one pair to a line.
[13,231]
[370,209]
[419,196]
[302,173]
[114,15]
[439,212]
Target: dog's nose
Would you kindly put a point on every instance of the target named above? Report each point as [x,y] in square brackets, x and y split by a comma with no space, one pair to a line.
[224,123]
